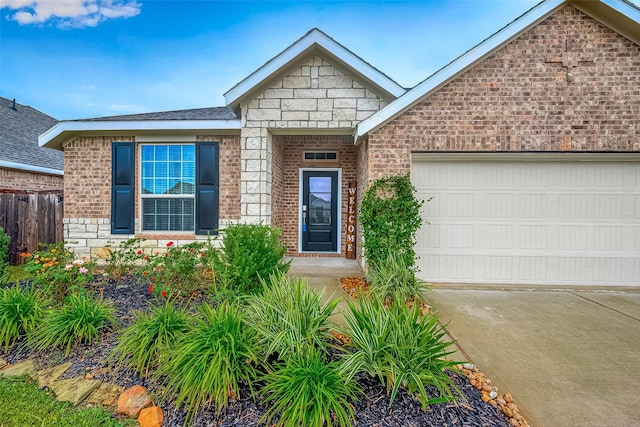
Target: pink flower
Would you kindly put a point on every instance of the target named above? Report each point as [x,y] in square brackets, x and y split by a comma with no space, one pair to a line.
[68,266]
[169,244]
[83,270]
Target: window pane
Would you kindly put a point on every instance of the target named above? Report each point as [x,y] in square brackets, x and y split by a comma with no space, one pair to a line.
[168,214]
[189,153]
[320,183]
[175,153]
[147,153]
[161,152]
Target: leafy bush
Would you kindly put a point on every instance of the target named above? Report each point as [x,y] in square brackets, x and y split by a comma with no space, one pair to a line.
[208,363]
[4,251]
[401,347]
[392,280]
[307,391]
[151,336]
[180,269]
[289,318]
[123,259]
[390,218]
[20,312]
[79,320]
[58,271]
[250,252]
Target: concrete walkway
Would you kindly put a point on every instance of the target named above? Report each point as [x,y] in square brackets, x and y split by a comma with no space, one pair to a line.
[569,358]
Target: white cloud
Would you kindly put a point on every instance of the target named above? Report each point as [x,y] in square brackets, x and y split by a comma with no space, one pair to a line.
[70,13]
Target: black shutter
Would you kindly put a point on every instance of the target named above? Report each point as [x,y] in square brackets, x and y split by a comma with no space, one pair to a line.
[122,187]
[207,187]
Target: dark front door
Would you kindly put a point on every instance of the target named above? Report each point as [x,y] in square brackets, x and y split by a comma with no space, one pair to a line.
[319,211]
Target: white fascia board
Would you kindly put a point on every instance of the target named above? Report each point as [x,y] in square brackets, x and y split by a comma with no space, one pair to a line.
[30,168]
[624,8]
[292,52]
[136,125]
[457,66]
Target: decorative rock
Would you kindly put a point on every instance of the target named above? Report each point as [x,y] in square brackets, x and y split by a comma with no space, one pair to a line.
[47,377]
[151,417]
[26,367]
[105,395]
[493,394]
[133,400]
[508,398]
[74,390]
[469,366]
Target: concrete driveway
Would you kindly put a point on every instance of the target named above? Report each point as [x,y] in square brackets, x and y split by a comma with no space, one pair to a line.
[569,357]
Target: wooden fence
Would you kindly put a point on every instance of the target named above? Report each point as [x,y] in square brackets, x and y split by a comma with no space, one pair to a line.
[30,219]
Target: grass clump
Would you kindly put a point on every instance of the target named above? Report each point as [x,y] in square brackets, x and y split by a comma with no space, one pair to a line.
[308,391]
[401,348]
[79,320]
[20,312]
[288,317]
[150,337]
[25,405]
[208,364]
[391,279]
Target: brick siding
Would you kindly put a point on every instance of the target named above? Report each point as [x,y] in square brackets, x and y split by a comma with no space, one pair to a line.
[20,180]
[286,188]
[522,99]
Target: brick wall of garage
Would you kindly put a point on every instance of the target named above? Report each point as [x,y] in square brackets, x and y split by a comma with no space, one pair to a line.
[21,180]
[286,189]
[520,99]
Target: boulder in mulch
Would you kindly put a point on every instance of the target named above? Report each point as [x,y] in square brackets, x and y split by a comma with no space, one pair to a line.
[26,367]
[133,400]
[151,417]
[74,390]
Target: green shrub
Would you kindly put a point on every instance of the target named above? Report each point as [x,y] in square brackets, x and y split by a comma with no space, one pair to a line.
[180,269]
[151,336]
[4,251]
[307,391]
[207,365]
[390,218]
[289,318]
[123,259]
[58,271]
[250,252]
[392,280]
[401,348]
[79,320]
[20,312]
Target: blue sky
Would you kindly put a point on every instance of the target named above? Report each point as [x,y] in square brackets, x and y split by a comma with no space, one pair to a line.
[86,58]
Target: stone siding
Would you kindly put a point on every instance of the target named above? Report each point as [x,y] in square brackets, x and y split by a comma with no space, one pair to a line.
[314,97]
[287,189]
[523,99]
[21,180]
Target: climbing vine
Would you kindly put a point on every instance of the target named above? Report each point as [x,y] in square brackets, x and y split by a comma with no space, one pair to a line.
[390,218]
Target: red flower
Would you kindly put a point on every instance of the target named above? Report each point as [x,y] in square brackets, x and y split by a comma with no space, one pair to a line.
[166,254]
[164,293]
[201,255]
[144,273]
[146,257]
[139,252]
[150,288]
[169,244]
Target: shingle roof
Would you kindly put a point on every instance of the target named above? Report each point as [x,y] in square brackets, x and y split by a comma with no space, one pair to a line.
[19,131]
[214,113]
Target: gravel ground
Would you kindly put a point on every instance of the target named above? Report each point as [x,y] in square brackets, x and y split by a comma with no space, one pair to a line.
[372,410]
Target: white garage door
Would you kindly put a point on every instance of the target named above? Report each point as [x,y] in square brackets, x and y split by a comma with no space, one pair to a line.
[546,221]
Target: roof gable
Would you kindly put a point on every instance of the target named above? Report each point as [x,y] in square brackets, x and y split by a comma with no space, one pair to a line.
[619,15]
[314,42]
[20,126]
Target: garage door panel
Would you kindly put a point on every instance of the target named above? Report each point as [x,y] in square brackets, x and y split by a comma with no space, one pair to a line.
[530,222]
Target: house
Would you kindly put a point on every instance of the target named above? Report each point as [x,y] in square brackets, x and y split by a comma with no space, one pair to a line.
[24,165]
[529,144]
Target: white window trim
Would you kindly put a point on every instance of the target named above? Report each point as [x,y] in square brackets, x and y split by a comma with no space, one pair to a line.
[141,231]
[339,225]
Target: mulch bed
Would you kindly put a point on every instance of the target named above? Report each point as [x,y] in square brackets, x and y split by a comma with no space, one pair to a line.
[373,410]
